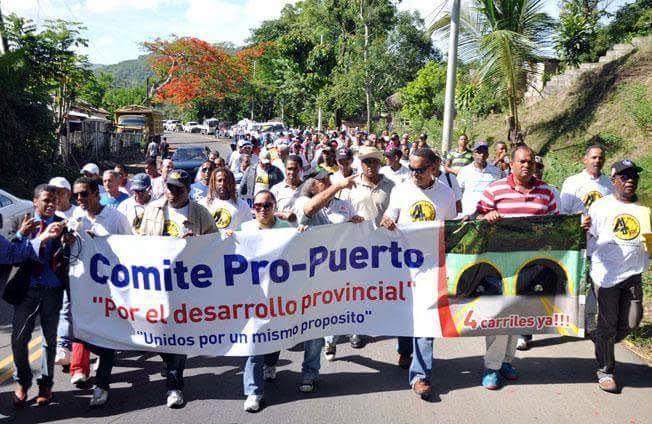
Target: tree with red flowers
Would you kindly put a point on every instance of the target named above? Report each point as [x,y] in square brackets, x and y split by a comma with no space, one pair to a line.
[190,69]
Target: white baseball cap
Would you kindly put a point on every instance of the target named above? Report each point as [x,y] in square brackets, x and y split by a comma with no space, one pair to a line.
[91,168]
[60,182]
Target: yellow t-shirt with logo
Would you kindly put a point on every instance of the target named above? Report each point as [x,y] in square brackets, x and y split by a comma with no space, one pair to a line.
[616,247]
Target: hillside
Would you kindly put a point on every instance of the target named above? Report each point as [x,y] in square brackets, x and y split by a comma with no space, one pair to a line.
[611,105]
[127,73]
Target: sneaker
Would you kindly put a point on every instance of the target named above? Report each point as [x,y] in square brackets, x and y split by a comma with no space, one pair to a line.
[175,399]
[491,379]
[44,395]
[62,357]
[329,351]
[357,342]
[253,403]
[100,397]
[308,385]
[404,361]
[522,344]
[608,384]
[78,379]
[269,372]
[508,371]
[422,388]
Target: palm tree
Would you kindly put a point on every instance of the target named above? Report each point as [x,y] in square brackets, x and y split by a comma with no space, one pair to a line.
[504,37]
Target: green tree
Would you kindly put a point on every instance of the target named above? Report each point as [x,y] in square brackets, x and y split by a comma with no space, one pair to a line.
[504,37]
[424,96]
[115,98]
[95,88]
[40,76]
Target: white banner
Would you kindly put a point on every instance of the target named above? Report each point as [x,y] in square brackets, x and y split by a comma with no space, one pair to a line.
[257,293]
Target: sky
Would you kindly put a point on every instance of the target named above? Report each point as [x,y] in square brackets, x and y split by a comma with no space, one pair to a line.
[116,27]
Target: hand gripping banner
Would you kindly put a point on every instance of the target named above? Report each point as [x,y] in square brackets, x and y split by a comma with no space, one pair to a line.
[262,292]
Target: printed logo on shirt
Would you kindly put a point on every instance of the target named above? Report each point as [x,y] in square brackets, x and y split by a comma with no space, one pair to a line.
[262,178]
[422,211]
[626,227]
[222,218]
[591,197]
[170,228]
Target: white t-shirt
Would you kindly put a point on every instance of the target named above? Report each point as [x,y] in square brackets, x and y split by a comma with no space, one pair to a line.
[473,182]
[579,191]
[133,211]
[336,212]
[454,185]
[174,224]
[617,250]
[108,221]
[67,214]
[285,195]
[398,176]
[409,203]
[228,214]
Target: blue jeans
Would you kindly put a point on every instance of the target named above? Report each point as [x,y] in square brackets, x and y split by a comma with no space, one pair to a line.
[312,358]
[46,303]
[252,378]
[421,366]
[64,331]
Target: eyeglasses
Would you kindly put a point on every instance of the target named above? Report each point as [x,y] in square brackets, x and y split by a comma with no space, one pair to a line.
[419,171]
[81,194]
[263,206]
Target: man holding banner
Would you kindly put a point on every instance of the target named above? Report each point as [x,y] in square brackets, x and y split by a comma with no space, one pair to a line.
[617,263]
[423,198]
[520,194]
[176,216]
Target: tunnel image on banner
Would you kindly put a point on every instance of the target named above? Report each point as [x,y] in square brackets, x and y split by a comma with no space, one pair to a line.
[520,275]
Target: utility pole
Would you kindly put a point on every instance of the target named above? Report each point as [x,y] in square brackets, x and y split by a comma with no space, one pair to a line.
[449,102]
[4,44]
[321,41]
[252,94]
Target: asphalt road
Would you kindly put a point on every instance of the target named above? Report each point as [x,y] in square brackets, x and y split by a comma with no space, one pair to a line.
[557,384]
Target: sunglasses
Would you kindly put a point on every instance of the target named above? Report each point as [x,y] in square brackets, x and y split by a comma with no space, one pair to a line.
[627,177]
[419,171]
[205,170]
[263,206]
[81,194]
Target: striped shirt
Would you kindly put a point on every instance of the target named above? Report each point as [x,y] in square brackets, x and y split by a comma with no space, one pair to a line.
[503,197]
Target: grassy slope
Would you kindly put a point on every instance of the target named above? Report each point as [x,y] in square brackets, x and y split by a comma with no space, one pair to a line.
[598,108]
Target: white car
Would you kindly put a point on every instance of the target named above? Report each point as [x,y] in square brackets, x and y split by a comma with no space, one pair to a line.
[12,207]
[192,127]
[172,125]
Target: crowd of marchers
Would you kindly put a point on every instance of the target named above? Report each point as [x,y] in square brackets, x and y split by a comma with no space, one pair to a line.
[304,179]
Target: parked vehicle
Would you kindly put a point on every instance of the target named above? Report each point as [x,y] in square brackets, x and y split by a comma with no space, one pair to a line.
[209,126]
[190,157]
[192,127]
[173,125]
[11,208]
[140,119]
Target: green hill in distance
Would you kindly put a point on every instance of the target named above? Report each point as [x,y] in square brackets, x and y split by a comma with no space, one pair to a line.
[127,73]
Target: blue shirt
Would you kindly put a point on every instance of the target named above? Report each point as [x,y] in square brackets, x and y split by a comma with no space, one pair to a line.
[46,277]
[11,253]
[198,191]
[112,202]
